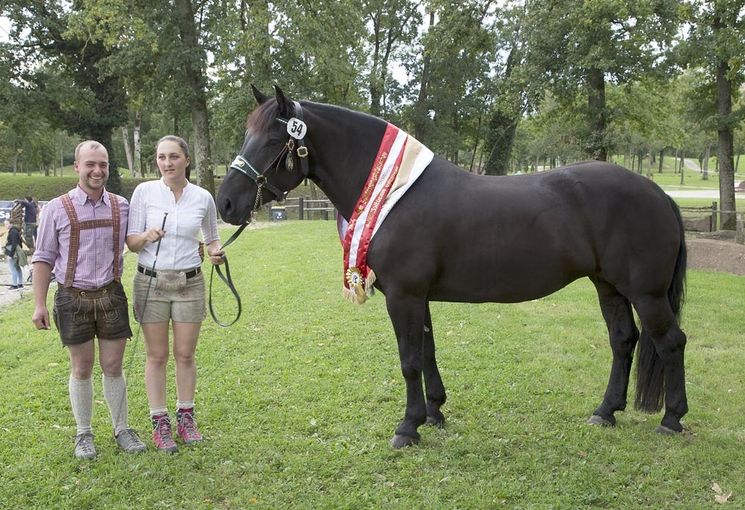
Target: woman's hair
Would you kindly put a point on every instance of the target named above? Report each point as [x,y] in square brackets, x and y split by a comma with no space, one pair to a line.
[181,143]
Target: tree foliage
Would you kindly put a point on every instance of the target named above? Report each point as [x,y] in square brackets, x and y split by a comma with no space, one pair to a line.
[493,86]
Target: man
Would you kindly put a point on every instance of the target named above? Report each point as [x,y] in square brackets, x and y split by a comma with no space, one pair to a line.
[81,239]
[30,213]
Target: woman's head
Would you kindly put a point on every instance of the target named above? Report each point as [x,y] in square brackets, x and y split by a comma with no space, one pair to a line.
[172,155]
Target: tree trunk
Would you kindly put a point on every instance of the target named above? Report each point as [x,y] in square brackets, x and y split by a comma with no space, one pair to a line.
[705,167]
[128,151]
[726,159]
[138,166]
[475,147]
[596,145]
[662,156]
[374,85]
[502,127]
[196,85]
[420,109]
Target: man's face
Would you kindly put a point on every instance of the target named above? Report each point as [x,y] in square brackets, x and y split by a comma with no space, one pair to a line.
[92,168]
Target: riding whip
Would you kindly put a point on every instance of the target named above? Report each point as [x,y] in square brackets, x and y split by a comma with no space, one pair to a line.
[147,294]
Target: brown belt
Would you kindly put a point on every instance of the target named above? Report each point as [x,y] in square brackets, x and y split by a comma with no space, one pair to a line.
[90,292]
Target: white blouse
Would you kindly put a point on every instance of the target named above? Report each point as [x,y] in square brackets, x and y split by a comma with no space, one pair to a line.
[194,211]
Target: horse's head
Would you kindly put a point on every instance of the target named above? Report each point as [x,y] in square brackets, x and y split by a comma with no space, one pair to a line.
[272,161]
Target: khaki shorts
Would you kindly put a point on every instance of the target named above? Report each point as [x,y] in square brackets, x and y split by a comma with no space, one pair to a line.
[80,315]
[171,296]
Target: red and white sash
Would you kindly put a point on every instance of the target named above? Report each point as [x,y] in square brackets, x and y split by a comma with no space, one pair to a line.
[400,161]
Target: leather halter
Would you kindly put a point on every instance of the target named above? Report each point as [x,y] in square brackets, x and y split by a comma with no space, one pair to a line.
[245,167]
[242,165]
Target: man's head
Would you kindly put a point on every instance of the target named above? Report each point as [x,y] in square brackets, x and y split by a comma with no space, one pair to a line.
[92,166]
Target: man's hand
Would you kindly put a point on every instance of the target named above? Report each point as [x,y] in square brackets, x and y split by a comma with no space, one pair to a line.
[41,317]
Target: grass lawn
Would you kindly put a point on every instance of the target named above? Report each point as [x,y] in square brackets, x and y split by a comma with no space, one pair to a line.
[299,399]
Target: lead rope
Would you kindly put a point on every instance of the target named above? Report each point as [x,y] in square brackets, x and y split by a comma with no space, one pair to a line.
[227,278]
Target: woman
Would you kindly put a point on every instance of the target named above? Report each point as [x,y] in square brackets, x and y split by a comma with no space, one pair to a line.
[13,252]
[164,222]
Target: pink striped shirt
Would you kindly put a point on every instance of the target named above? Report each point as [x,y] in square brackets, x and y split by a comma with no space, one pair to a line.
[95,262]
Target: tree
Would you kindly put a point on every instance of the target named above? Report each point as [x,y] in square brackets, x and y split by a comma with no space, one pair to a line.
[509,103]
[67,82]
[393,25]
[716,43]
[578,47]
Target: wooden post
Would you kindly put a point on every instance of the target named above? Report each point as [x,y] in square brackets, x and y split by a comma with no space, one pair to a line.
[300,211]
[740,233]
[714,223]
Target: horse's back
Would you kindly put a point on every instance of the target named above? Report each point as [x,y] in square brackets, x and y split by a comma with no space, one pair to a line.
[462,237]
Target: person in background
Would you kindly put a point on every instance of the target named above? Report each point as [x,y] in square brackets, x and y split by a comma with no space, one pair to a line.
[12,247]
[30,216]
[81,239]
[169,285]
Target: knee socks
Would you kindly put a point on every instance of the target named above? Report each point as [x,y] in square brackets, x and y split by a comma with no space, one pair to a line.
[115,392]
[81,399]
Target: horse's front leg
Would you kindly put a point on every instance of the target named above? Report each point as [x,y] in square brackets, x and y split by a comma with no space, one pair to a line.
[407,315]
[432,381]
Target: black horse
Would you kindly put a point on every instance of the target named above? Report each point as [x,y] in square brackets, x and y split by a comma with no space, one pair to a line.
[459,237]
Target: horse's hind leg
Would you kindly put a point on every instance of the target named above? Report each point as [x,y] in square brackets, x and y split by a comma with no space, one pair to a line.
[432,381]
[662,349]
[623,337]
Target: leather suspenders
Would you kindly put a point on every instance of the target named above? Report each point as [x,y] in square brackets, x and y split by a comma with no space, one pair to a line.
[76,226]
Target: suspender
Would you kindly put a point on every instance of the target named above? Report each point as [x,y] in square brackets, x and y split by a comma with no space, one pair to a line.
[76,226]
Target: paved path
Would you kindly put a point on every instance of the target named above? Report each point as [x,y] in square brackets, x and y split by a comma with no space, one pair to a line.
[700,193]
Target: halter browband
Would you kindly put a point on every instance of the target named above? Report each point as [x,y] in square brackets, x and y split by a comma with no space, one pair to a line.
[245,167]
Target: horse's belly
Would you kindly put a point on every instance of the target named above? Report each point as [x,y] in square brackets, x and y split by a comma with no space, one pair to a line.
[509,286]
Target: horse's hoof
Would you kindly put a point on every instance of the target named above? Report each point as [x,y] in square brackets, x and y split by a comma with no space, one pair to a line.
[667,431]
[436,421]
[599,420]
[400,441]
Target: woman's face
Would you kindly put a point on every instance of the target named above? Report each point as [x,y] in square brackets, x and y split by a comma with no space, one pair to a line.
[171,159]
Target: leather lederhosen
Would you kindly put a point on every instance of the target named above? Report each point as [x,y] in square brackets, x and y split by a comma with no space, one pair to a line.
[76,226]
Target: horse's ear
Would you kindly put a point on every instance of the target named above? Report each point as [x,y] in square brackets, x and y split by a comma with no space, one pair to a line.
[283,103]
[261,98]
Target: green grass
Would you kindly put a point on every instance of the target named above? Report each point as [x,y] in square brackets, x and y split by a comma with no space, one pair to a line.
[299,399]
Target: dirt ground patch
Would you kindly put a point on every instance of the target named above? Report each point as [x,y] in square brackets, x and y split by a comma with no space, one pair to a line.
[716,251]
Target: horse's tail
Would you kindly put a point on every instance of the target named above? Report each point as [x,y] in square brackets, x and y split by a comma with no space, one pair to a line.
[650,381]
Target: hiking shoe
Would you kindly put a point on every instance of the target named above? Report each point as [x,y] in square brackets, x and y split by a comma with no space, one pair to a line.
[162,434]
[84,448]
[187,426]
[129,442]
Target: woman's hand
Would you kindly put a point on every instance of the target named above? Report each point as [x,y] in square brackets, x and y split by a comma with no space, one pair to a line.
[153,235]
[135,242]
[216,253]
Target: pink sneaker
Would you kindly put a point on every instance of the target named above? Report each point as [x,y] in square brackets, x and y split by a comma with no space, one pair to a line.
[162,434]
[187,426]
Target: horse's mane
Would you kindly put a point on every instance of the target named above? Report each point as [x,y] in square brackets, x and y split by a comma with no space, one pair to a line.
[262,117]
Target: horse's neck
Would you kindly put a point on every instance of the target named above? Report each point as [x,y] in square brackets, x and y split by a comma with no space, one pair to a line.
[345,144]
